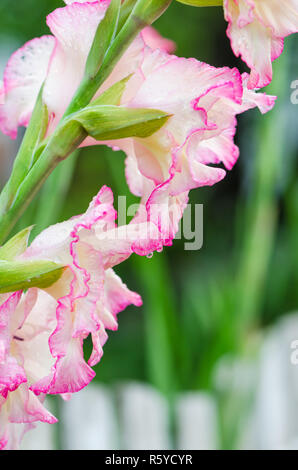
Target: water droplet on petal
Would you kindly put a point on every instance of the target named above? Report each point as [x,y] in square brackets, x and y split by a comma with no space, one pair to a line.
[149,255]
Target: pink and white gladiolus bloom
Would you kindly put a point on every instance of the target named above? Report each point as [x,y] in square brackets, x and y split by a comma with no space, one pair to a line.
[59,60]
[257,29]
[89,294]
[42,331]
[161,169]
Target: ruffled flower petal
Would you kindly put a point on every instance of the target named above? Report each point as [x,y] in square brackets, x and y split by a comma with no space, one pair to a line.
[257,30]
[25,326]
[163,168]
[70,374]
[18,413]
[74,27]
[12,375]
[89,295]
[61,58]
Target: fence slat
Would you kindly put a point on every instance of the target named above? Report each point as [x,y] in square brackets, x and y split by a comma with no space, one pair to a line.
[88,420]
[277,404]
[272,407]
[197,422]
[144,418]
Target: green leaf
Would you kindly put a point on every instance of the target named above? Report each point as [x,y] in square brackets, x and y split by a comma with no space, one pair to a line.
[113,94]
[202,3]
[19,275]
[114,122]
[15,246]
[104,36]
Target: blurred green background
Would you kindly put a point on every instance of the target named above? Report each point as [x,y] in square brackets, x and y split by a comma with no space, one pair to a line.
[198,306]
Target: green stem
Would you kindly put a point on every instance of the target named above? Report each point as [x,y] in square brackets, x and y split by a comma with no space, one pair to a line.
[143,14]
[56,150]
[46,208]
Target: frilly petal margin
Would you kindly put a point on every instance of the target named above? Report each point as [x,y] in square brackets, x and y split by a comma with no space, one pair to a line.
[163,169]
[91,245]
[18,413]
[257,30]
[22,344]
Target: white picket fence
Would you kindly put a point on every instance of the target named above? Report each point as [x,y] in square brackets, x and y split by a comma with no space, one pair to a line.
[137,419]
[136,416]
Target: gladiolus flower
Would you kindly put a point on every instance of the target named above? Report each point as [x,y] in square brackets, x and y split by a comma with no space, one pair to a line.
[25,358]
[257,29]
[60,60]
[203,102]
[42,331]
[89,295]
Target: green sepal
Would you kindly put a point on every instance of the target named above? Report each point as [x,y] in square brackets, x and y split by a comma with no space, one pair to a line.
[16,245]
[22,275]
[113,95]
[114,122]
